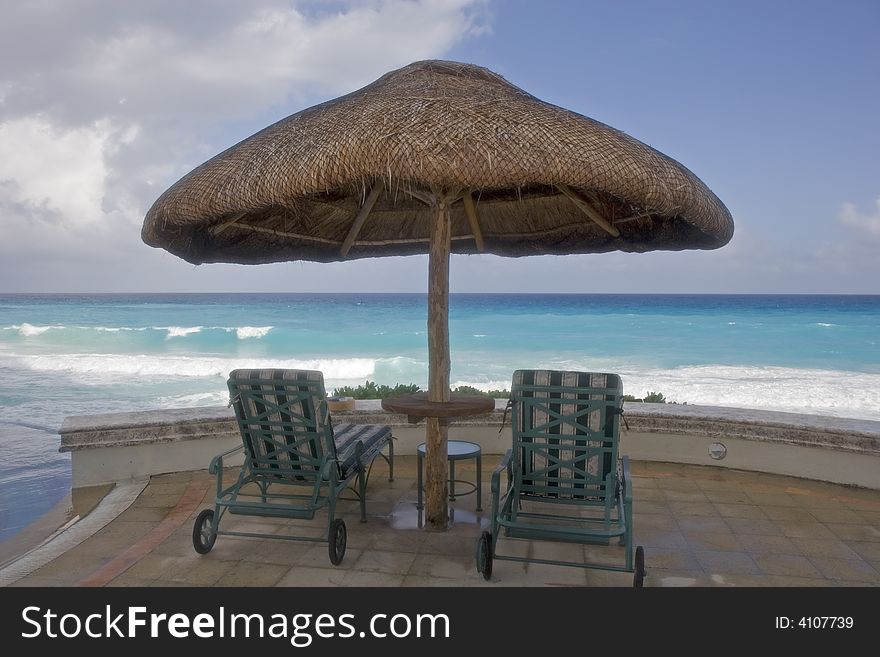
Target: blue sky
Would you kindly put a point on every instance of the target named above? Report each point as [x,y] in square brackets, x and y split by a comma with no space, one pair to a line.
[774,105]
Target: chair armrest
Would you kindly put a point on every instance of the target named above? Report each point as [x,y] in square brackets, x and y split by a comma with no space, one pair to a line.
[504,465]
[627,481]
[330,471]
[217,462]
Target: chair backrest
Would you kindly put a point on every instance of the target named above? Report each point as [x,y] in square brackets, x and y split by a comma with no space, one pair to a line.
[284,422]
[566,429]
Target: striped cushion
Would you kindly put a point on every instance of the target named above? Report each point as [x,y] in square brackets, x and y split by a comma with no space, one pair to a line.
[346,437]
[295,440]
[283,423]
[560,459]
[568,378]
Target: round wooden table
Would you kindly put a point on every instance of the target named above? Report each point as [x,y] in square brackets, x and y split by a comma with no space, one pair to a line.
[417,406]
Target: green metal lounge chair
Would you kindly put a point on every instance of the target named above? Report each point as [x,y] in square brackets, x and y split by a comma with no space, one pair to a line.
[296,461]
[564,482]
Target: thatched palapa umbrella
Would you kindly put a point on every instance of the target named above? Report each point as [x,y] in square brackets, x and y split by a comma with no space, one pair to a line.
[435,157]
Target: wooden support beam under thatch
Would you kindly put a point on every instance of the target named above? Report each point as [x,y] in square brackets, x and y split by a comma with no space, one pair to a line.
[226,224]
[588,210]
[409,240]
[284,233]
[471,211]
[323,240]
[361,217]
[425,197]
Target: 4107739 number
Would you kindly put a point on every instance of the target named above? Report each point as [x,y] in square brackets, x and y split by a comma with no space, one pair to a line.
[815,623]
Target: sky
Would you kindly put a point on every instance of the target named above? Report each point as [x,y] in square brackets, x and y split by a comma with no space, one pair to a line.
[774,105]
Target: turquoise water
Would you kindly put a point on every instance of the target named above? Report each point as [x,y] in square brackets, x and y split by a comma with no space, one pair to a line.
[77,354]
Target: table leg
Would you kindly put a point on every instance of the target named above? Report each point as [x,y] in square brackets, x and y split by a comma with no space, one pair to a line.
[451,481]
[421,463]
[479,481]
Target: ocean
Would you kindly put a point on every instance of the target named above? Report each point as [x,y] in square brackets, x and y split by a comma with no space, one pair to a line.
[66,355]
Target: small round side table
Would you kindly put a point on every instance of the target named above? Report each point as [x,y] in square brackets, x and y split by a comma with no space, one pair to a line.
[458,450]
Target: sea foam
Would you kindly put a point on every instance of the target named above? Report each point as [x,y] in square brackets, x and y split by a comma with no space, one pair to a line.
[98,368]
[824,392]
[29,330]
[215,398]
[180,331]
[245,332]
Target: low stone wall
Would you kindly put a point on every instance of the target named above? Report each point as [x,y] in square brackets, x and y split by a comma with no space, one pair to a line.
[121,446]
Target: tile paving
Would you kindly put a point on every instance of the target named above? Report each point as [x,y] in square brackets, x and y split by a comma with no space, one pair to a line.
[700,525]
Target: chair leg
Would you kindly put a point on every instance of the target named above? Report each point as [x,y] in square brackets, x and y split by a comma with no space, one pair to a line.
[391,459]
[331,510]
[628,534]
[362,487]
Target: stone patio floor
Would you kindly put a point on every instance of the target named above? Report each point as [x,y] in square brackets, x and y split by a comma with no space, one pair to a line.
[699,525]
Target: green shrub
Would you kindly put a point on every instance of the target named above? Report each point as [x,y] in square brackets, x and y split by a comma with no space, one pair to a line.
[494,394]
[499,394]
[650,398]
[372,390]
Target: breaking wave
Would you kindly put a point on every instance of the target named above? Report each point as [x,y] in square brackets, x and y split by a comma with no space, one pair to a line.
[822,392]
[245,332]
[101,366]
[27,330]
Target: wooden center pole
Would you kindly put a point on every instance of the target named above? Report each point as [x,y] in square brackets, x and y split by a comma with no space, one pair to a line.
[436,466]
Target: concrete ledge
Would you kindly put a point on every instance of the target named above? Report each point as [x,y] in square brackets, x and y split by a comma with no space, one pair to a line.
[79,432]
[792,428]
[123,446]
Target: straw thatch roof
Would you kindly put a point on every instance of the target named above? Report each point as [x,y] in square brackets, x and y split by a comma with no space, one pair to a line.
[357,177]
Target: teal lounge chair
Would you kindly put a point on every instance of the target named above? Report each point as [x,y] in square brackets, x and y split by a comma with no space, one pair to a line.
[564,481]
[296,461]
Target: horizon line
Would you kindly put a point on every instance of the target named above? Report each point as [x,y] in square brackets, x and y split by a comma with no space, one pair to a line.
[377,292]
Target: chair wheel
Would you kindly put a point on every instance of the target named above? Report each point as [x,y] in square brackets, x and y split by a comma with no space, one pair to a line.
[203,536]
[337,537]
[639,569]
[484,555]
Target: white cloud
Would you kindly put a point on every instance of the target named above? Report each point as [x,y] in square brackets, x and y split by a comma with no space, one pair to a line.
[239,60]
[104,104]
[45,167]
[868,224]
